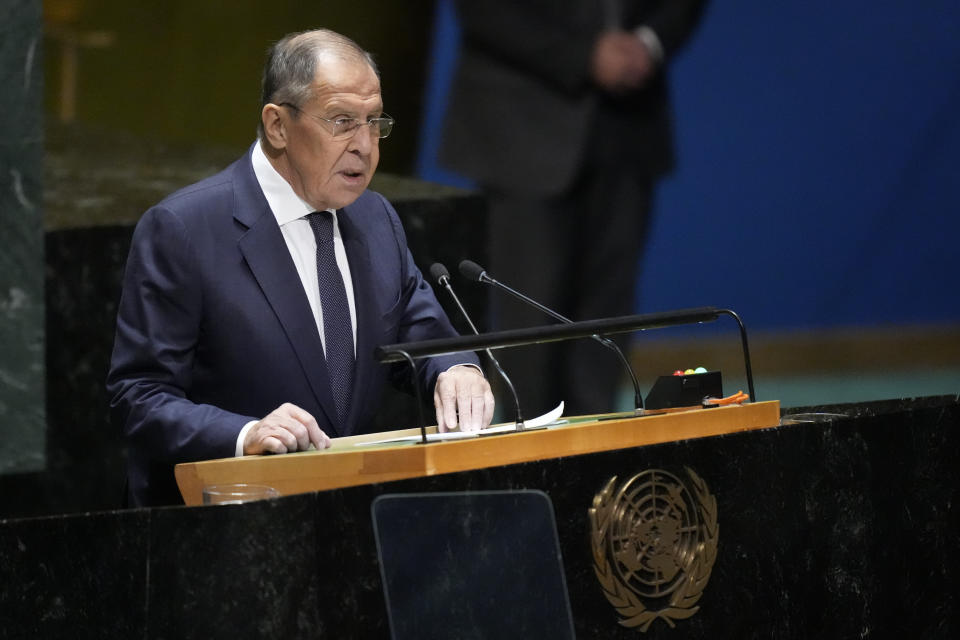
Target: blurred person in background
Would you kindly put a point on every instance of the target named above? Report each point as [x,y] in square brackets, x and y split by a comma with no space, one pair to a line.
[559,110]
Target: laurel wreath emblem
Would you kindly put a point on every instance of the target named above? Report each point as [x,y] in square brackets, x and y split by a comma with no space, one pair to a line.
[694,574]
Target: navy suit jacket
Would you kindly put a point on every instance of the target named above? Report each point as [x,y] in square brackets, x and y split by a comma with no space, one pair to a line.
[214,329]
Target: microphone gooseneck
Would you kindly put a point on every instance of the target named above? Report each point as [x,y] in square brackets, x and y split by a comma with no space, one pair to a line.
[472,271]
[442,277]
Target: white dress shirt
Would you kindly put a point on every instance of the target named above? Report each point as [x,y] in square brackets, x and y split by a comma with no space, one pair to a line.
[291,213]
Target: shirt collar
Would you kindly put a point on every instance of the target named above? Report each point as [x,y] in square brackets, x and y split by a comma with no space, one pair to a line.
[286,205]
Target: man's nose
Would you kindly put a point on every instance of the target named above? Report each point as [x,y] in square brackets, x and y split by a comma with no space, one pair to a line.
[363,140]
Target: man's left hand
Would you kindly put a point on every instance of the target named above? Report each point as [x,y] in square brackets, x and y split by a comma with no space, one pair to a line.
[462,398]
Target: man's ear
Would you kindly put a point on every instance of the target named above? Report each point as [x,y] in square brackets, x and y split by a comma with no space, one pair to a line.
[274,128]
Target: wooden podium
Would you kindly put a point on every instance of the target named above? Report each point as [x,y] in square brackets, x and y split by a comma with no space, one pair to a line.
[351,462]
[839,520]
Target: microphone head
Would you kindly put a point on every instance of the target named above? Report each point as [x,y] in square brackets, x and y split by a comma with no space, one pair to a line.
[471,270]
[438,272]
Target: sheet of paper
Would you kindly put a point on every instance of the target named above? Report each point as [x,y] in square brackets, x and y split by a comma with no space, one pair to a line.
[546,419]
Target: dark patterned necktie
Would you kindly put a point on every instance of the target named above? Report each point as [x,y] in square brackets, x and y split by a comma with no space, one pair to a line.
[337,329]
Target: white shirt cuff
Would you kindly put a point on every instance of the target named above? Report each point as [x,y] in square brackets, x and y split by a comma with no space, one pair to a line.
[651,41]
[242,436]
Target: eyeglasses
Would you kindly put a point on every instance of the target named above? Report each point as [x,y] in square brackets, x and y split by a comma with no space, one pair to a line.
[347,127]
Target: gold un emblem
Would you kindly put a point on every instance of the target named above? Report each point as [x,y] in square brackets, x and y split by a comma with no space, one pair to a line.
[654,544]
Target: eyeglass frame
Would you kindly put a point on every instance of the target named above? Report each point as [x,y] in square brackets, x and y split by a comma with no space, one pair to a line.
[337,122]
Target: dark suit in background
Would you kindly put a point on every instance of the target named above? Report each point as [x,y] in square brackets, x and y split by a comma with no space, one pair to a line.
[214,329]
[569,169]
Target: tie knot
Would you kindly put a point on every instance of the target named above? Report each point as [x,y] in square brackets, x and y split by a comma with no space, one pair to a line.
[322,224]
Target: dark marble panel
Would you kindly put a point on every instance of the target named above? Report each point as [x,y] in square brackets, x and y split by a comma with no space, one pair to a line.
[21,260]
[84,268]
[74,577]
[224,570]
[345,534]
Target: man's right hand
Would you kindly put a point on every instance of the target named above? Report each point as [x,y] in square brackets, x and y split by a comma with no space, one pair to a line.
[620,62]
[286,429]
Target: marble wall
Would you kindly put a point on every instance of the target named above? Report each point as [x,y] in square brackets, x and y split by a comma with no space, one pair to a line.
[21,254]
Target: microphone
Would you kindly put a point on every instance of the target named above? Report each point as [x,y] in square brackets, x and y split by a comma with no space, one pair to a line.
[439,273]
[472,271]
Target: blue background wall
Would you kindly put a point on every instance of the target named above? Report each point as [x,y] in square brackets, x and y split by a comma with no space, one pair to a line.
[818,183]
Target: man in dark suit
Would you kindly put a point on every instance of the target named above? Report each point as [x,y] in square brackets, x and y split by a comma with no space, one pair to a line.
[559,110]
[253,300]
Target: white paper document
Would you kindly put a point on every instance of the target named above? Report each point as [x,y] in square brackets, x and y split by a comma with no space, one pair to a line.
[546,420]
